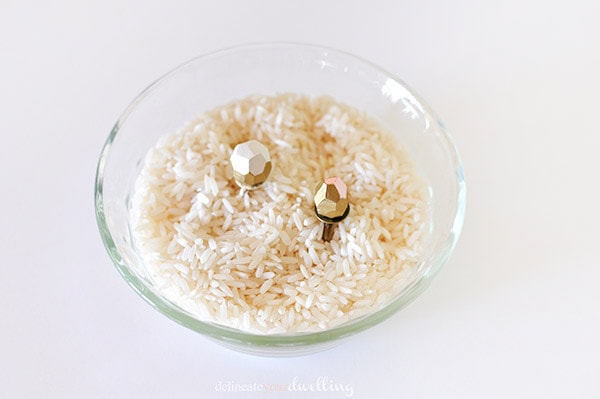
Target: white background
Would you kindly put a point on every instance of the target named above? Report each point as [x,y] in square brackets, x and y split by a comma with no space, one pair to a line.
[514,314]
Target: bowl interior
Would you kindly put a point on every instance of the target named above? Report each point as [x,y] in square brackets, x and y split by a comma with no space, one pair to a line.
[218,78]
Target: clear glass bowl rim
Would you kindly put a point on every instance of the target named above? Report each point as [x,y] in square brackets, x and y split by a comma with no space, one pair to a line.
[237,337]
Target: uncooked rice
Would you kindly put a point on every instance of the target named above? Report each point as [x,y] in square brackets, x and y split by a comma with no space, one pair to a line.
[256,262]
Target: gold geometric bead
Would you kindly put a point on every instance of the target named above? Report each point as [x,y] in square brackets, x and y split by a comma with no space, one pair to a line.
[251,164]
[331,204]
[331,200]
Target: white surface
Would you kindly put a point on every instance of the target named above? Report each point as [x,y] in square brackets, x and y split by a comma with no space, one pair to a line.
[515,313]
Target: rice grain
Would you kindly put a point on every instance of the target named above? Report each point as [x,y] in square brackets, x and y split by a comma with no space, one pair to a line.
[256,262]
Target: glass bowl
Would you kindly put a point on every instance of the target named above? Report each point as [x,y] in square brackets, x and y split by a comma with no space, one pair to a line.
[218,78]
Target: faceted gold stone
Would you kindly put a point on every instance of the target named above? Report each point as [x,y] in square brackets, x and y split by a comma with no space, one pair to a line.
[251,164]
[331,200]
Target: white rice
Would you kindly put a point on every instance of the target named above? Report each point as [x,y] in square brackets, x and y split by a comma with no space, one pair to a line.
[257,262]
